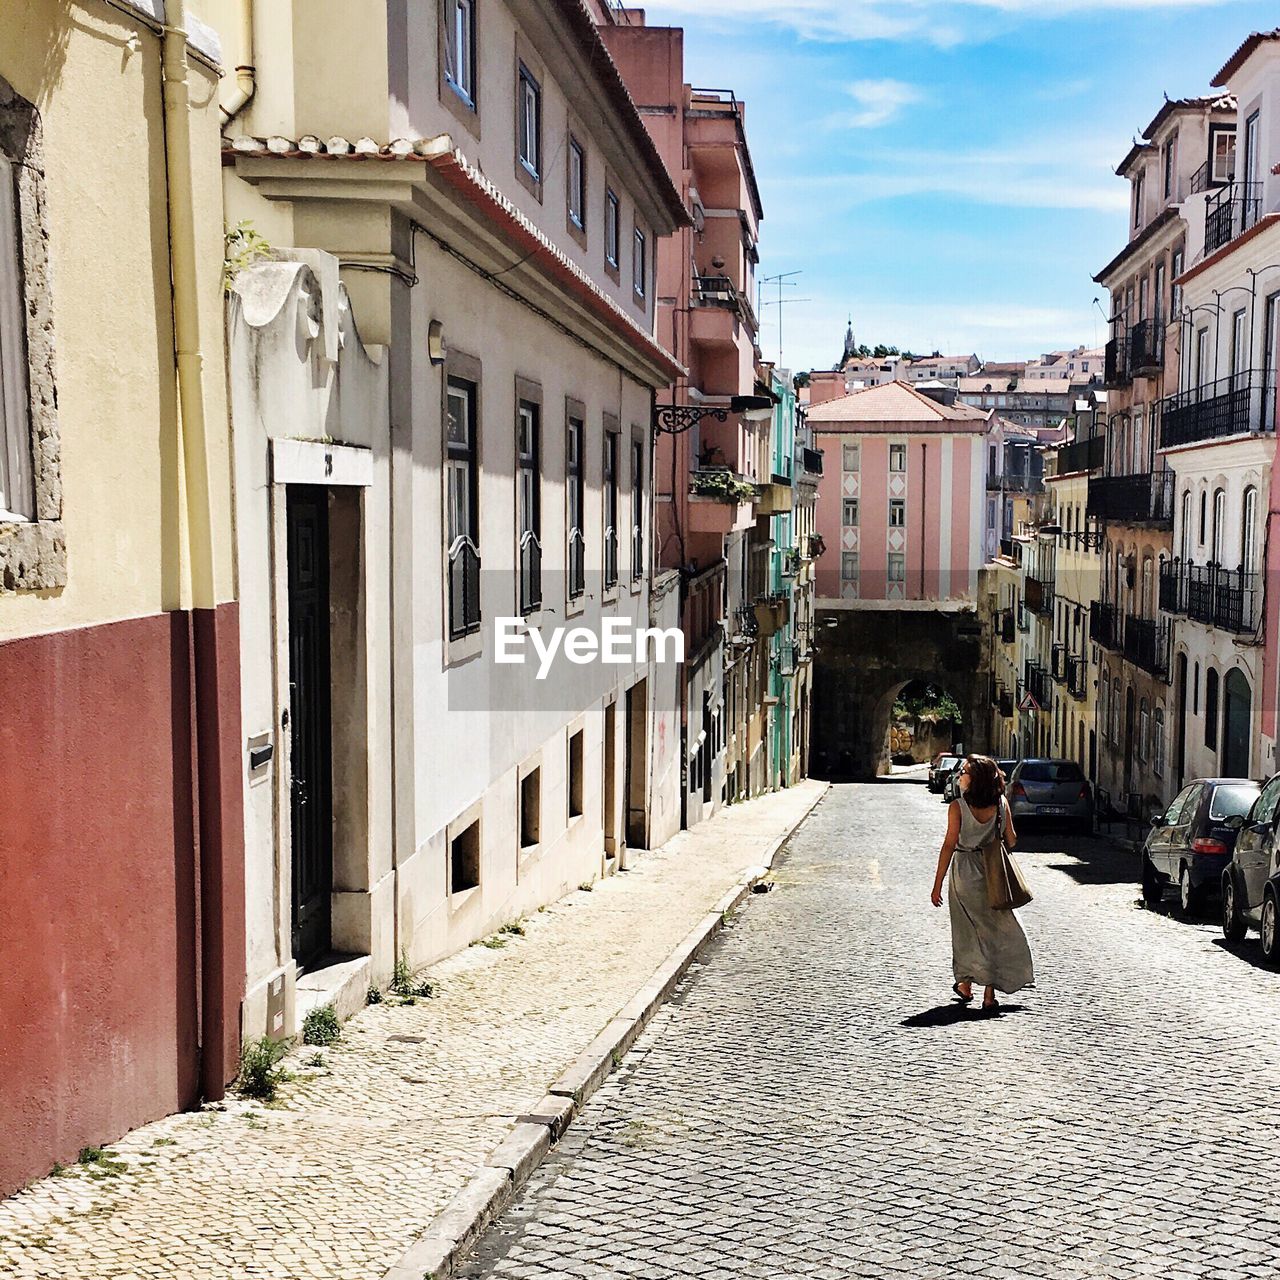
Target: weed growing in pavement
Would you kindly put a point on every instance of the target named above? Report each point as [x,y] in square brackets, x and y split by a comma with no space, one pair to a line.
[409,988]
[515,929]
[165,1142]
[101,1163]
[586,886]
[261,1074]
[321,1026]
[495,942]
[373,995]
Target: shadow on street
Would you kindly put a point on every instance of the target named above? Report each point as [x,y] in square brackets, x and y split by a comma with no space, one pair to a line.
[953,1013]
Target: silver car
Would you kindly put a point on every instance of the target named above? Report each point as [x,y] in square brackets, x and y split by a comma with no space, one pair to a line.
[1053,790]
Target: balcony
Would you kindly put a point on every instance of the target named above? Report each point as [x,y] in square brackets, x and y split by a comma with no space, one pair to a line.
[811,461]
[1229,212]
[1039,593]
[1078,678]
[1146,498]
[1146,644]
[1008,629]
[1039,685]
[1207,593]
[1081,455]
[1115,370]
[1146,348]
[776,497]
[1102,625]
[1001,698]
[1232,406]
[715,327]
[1058,664]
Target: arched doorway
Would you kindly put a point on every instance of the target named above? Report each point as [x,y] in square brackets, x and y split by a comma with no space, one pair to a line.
[924,719]
[1237,715]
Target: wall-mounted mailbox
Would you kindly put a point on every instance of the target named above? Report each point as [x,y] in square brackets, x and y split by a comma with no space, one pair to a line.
[261,749]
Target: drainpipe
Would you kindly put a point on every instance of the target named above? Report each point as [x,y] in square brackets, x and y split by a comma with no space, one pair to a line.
[217,1042]
[246,72]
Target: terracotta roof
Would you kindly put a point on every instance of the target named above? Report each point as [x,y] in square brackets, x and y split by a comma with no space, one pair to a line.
[896,407]
[525,238]
[1205,102]
[1003,368]
[1237,59]
[1139,148]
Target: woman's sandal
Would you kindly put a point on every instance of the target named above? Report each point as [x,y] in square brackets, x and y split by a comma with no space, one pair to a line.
[964,999]
[994,1007]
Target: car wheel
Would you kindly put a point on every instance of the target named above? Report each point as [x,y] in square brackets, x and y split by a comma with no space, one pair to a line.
[1233,923]
[1152,885]
[1270,930]
[1190,897]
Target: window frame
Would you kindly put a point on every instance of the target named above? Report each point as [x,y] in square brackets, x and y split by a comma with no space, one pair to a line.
[576,186]
[575,494]
[846,450]
[612,232]
[450,26]
[896,558]
[898,509]
[640,265]
[845,506]
[17,487]
[462,373]
[609,499]
[898,451]
[638,541]
[529,170]
[528,495]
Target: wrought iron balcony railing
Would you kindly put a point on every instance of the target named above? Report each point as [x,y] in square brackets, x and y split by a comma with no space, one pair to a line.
[1102,625]
[1146,498]
[1078,677]
[1230,211]
[1059,662]
[1040,596]
[1115,366]
[1146,644]
[1081,455]
[1039,684]
[1208,593]
[1230,406]
[1146,347]
[464,588]
[1008,630]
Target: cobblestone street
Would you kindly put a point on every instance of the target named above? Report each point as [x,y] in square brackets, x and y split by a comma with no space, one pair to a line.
[812,1104]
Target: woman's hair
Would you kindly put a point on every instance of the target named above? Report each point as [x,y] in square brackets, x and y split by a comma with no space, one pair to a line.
[986,782]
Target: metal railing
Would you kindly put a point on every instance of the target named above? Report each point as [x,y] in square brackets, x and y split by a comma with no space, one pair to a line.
[811,460]
[1146,644]
[1039,684]
[1230,211]
[530,572]
[1039,593]
[1058,663]
[1008,629]
[1146,347]
[1208,593]
[994,482]
[1102,625]
[1081,455]
[1115,367]
[577,564]
[1201,180]
[1234,405]
[1145,498]
[1078,677]
[464,588]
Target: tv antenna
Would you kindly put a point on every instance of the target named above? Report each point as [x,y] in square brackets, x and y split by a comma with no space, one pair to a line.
[783,281]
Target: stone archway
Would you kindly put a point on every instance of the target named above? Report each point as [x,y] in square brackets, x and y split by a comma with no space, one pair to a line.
[866,657]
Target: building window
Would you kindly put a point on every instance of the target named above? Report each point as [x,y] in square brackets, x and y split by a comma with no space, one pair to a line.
[897,513]
[530,122]
[612,228]
[15,431]
[464,859]
[1139,191]
[1168,166]
[639,264]
[1144,728]
[1248,537]
[460,49]
[850,515]
[849,566]
[463,497]
[897,567]
[577,184]
[576,499]
[1211,709]
[897,457]
[610,508]
[575,774]
[637,508]
[1223,144]
[531,809]
[1157,743]
[1176,271]
[852,457]
[529,505]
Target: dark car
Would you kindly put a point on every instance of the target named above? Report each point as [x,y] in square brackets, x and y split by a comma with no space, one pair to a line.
[1251,880]
[941,769]
[1053,790]
[1190,843]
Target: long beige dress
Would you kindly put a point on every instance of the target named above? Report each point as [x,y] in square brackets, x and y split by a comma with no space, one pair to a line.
[988,947]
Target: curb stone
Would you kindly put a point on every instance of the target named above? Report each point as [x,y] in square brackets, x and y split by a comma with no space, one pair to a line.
[439,1251]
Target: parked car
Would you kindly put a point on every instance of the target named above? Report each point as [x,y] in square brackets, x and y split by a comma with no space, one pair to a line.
[1190,843]
[940,770]
[1006,767]
[1055,790]
[1251,880]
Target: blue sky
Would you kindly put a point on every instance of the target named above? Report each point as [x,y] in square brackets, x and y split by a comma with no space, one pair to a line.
[944,169]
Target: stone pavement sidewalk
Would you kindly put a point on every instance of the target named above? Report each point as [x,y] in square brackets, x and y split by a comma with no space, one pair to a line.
[376,1135]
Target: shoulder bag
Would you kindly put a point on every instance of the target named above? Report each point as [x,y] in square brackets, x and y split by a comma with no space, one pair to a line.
[1006,885]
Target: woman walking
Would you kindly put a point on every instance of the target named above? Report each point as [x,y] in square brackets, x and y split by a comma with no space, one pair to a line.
[988,947]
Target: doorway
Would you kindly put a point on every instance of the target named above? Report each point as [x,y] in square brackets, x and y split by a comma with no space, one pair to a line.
[634,764]
[610,796]
[310,721]
[1128,740]
[1180,722]
[1235,729]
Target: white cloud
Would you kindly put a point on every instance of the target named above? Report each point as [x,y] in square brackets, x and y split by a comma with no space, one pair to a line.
[878,102]
[940,22]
